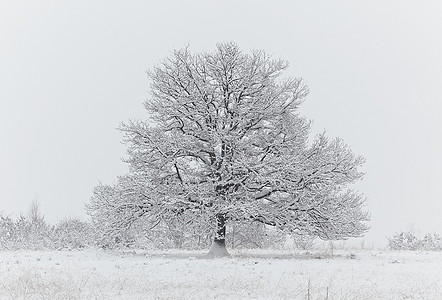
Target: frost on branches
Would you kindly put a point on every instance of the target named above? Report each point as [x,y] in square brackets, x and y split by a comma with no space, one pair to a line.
[225,143]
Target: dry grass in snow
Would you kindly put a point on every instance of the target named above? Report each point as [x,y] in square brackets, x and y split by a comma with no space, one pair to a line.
[96,274]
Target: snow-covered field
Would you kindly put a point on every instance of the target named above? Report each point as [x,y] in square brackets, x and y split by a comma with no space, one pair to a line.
[96,274]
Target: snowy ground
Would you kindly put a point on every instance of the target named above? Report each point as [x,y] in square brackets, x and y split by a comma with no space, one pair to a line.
[96,274]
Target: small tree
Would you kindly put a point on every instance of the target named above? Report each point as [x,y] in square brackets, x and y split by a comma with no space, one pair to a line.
[224,143]
[31,230]
[38,230]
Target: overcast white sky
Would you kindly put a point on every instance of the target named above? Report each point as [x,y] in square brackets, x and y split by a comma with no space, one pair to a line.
[71,71]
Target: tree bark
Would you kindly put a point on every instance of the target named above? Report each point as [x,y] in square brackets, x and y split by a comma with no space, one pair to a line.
[218,248]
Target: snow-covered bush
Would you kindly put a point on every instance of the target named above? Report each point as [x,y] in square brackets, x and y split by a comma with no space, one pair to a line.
[32,232]
[38,230]
[7,232]
[23,233]
[72,234]
[404,240]
[408,240]
[432,242]
[303,242]
[178,233]
[253,235]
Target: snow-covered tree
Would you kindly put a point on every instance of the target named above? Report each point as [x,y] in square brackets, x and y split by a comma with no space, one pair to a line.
[224,142]
[38,231]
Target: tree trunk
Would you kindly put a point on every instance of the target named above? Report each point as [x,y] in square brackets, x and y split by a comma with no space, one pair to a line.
[218,248]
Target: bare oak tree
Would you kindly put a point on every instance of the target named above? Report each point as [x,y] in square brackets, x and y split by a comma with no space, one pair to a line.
[225,142]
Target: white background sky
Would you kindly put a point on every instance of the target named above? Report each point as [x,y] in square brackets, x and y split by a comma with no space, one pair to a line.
[71,71]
